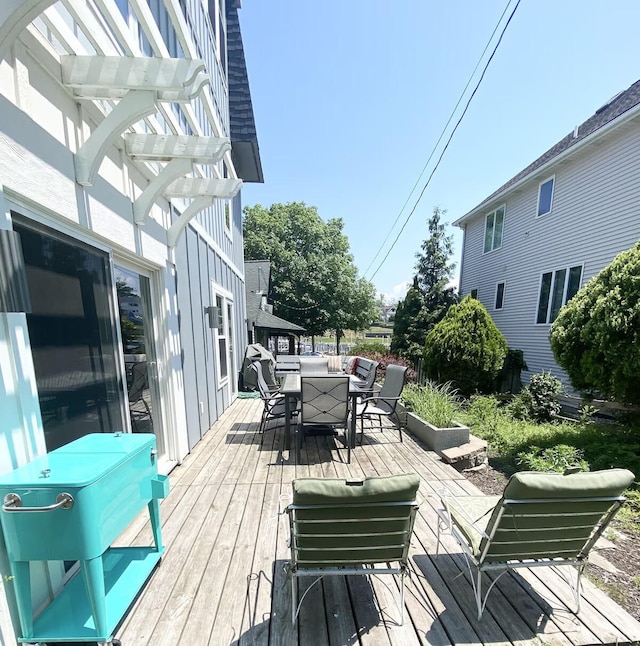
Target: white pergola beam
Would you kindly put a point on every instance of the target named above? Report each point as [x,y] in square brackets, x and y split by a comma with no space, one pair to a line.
[15,15]
[111,77]
[150,147]
[136,105]
[174,169]
[186,187]
[197,205]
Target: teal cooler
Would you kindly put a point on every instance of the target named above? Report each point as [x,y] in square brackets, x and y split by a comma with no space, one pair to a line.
[69,505]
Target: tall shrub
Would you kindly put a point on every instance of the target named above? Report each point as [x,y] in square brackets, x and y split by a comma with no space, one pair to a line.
[596,337]
[465,348]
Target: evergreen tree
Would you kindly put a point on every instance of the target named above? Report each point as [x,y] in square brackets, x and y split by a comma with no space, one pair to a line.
[408,336]
[429,298]
[434,271]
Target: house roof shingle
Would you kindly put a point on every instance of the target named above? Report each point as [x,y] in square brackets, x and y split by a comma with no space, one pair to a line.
[613,109]
[257,280]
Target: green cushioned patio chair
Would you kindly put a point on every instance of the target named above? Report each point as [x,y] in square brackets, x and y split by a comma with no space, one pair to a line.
[541,519]
[340,527]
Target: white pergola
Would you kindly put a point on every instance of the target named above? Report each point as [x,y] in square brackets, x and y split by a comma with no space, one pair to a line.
[136,87]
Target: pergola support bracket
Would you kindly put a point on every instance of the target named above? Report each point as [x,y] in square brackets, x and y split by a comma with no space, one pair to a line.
[135,105]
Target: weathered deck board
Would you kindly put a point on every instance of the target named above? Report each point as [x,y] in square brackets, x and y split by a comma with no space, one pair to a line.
[222,581]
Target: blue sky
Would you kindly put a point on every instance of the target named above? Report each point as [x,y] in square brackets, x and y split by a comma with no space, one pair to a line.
[351,96]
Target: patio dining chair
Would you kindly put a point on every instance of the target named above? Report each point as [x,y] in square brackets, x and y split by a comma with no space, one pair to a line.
[384,402]
[338,527]
[541,519]
[273,401]
[324,404]
[138,393]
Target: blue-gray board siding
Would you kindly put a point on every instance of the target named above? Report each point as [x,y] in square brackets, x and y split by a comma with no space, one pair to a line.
[189,376]
[595,216]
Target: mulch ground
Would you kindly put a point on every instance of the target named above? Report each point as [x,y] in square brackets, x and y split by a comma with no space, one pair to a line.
[623,583]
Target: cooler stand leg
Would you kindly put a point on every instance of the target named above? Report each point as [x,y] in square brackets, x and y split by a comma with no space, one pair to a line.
[22,586]
[93,573]
[154,516]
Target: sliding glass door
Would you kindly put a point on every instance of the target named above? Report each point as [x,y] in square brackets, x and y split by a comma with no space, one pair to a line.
[73,335]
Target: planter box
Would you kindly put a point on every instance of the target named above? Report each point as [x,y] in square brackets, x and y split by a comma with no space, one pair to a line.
[437,439]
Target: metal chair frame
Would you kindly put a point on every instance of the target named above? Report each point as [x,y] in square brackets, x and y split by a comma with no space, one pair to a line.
[344,567]
[370,405]
[324,401]
[477,565]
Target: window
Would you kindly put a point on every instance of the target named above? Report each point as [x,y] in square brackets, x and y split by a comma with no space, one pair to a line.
[556,289]
[222,323]
[221,334]
[493,230]
[499,296]
[474,294]
[545,196]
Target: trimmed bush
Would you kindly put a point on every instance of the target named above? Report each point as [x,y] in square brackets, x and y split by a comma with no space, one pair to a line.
[465,348]
[538,401]
[368,348]
[596,337]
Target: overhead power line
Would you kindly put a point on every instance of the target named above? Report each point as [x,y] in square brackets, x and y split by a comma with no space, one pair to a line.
[424,188]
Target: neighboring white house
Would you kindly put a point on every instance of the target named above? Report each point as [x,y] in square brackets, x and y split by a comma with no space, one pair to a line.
[126,129]
[536,240]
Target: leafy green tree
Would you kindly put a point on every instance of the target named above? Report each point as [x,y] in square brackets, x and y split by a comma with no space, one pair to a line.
[315,283]
[465,348]
[596,336]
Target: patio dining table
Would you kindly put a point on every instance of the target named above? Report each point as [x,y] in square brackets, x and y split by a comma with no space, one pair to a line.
[291,388]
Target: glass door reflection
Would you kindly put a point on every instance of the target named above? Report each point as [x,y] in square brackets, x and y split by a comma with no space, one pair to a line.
[139,352]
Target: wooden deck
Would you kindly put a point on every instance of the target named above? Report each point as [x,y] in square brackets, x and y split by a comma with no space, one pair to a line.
[221,580]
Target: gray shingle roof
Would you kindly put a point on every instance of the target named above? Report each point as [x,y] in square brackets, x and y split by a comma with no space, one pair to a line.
[244,139]
[610,111]
[257,280]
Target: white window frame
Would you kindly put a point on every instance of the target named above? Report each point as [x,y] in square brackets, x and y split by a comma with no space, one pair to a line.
[495,300]
[226,298]
[493,213]
[551,178]
[554,272]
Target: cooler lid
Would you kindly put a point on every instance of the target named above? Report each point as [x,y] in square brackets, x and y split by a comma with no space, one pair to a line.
[80,462]
[109,442]
[62,469]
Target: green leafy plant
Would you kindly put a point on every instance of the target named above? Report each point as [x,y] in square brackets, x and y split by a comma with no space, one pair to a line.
[538,401]
[587,412]
[465,348]
[434,403]
[596,336]
[555,458]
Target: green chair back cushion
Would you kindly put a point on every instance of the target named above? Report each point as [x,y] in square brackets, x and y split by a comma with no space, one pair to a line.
[550,515]
[351,523]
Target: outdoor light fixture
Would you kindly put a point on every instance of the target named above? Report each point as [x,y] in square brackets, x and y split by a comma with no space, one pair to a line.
[14,291]
[212,313]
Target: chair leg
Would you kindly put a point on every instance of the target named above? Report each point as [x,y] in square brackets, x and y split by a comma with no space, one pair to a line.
[399,424]
[299,433]
[294,597]
[402,586]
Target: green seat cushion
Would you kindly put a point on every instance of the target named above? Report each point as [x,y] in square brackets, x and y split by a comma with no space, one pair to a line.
[471,515]
[309,491]
[587,484]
